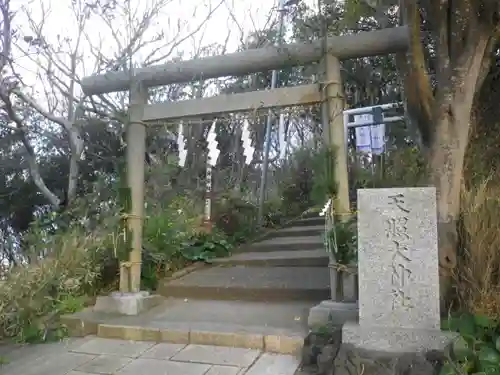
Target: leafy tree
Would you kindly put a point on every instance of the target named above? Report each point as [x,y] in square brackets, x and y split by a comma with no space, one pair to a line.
[453,46]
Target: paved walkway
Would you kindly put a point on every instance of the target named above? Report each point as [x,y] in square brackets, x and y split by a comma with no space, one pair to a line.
[93,355]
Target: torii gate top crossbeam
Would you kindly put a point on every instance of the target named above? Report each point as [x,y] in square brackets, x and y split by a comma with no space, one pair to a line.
[344,47]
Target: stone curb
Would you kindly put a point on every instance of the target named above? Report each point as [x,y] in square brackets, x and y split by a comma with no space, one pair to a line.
[273,343]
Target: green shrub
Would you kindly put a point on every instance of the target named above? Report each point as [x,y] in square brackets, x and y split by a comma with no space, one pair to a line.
[274,213]
[343,240]
[235,217]
[404,167]
[324,184]
[309,179]
[296,182]
[34,295]
[342,244]
[166,229]
[174,237]
[477,350]
[66,265]
[206,246]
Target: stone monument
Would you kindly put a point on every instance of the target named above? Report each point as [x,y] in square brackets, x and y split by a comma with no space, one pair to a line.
[399,308]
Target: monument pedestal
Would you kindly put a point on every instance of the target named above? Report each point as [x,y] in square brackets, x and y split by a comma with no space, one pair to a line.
[333,312]
[395,339]
[126,303]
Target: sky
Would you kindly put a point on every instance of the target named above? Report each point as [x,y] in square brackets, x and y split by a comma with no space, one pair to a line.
[222,21]
[57,20]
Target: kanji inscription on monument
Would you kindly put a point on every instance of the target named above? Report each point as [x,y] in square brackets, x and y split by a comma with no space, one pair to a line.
[398,258]
[397,234]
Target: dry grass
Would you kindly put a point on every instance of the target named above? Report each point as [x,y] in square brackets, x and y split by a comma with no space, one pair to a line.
[477,277]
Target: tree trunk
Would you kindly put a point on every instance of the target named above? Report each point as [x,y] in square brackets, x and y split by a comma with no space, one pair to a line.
[464,41]
[452,119]
[76,146]
[446,162]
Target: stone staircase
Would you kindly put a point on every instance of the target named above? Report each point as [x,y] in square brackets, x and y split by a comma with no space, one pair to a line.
[258,298]
[289,265]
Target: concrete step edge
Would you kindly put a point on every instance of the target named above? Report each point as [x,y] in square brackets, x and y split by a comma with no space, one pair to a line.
[266,248]
[311,239]
[306,222]
[313,260]
[300,231]
[253,294]
[305,233]
[267,339]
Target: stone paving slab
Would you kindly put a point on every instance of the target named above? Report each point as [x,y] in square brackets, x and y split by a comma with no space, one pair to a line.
[225,370]
[91,356]
[105,364]
[274,364]
[159,367]
[54,365]
[121,348]
[163,351]
[217,355]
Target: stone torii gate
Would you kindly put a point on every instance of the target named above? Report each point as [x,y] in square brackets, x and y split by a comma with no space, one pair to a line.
[131,300]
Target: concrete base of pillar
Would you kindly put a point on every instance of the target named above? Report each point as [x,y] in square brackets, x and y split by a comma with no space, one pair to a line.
[332,312]
[126,303]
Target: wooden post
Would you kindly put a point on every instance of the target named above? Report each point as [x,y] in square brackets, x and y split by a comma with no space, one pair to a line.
[130,273]
[335,134]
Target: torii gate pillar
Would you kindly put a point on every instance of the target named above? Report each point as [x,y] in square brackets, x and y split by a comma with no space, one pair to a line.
[334,132]
[130,272]
[130,300]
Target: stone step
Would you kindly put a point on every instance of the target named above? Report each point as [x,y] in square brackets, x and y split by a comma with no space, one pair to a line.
[308,221]
[291,230]
[285,244]
[299,231]
[311,213]
[272,327]
[296,258]
[251,284]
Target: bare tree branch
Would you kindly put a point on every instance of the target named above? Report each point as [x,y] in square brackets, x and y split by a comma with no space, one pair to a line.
[59,63]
